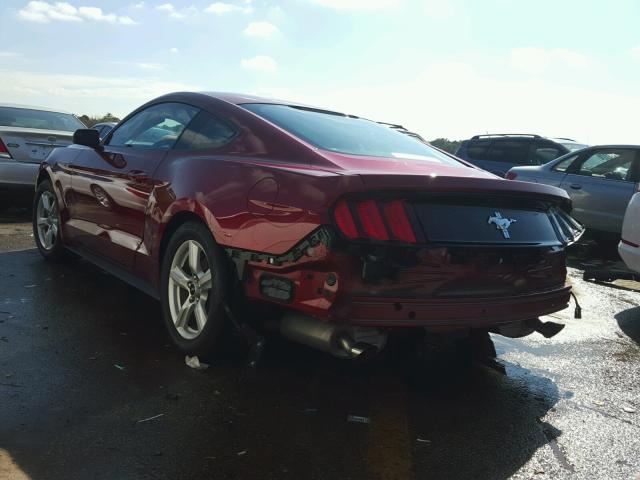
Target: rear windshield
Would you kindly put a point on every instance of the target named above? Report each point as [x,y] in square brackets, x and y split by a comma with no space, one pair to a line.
[574,146]
[346,134]
[28,118]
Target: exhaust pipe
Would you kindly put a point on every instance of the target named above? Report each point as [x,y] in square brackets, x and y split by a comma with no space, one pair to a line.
[338,340]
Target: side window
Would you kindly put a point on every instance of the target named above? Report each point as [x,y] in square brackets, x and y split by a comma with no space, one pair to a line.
[206,131]
[478,149]
[509,151]
[158,126]
[608,164]
[544,152]
[564,165]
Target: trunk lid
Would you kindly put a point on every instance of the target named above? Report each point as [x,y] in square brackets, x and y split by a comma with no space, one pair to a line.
[460,205]
[31,144]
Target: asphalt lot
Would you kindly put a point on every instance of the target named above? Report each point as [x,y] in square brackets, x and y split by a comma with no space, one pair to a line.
[90,388]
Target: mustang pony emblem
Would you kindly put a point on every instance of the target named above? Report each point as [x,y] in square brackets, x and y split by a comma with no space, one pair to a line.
[501,223]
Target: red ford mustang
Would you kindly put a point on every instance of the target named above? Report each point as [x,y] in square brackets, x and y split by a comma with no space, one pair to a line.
[351,228]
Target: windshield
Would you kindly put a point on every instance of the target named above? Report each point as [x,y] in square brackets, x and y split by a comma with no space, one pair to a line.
[346,134]
[29,118]
[574,146]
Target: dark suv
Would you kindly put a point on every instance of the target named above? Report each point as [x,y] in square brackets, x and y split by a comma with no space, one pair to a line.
[498,153]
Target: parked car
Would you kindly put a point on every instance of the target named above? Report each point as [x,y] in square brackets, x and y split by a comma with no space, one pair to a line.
[600,181]
[629,246]
[104,128]
[27,136]
[347,228]
[498,153]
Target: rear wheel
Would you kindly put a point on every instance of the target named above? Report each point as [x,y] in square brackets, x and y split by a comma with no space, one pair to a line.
[193,285]
[46,222]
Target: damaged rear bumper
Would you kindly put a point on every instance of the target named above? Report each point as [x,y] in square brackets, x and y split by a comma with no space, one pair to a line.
[453,312]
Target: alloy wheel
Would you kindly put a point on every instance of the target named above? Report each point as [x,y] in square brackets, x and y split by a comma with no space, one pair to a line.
[47,221]
[189,286]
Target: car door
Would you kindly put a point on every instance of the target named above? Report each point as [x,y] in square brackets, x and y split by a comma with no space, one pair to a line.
[600,184]
[111,186]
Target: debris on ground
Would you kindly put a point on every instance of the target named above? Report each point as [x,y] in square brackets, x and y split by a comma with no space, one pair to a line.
[422,440]
[119,367]
[629,409]
[243,452]
[31,286]
[598,403]
[151,418]
[194,362]
[357,419]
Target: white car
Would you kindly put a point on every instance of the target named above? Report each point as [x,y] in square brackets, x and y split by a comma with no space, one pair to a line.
[629,247]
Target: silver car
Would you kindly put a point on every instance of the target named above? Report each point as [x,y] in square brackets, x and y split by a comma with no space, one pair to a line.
[600,181]
[27,136]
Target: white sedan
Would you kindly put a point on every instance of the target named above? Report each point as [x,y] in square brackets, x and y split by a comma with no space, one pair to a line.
[629,247]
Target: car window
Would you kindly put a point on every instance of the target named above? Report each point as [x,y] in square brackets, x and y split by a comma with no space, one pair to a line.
[206,131]
[610,164]
[511,151]
[478,149]
[544,152]
[157,126]
[30,118]
[346,134]
[564,165]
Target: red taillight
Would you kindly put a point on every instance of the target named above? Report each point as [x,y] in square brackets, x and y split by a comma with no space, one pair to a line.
[371,220]
[345,221]
[511,175]
[372,224]
[398,221]
[4,153]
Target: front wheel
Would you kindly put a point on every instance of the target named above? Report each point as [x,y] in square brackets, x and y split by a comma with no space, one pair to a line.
[46,222]
[193,277]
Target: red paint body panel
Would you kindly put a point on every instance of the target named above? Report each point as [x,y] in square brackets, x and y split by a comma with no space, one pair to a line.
[267,191]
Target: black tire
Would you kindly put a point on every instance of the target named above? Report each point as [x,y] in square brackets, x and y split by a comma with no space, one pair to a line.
[206,342]
[56,252]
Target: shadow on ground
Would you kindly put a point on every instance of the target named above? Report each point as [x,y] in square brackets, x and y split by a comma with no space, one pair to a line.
[96,392]
[629,323]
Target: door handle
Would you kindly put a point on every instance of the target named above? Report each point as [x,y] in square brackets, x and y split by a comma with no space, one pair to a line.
[576,186]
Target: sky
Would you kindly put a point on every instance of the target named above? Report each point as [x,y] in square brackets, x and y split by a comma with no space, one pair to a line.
[442,68]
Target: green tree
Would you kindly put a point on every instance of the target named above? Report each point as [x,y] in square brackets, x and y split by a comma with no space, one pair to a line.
[90,121]
[447,145]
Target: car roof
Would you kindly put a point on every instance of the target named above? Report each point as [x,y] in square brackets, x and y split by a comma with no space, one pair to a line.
[491,136]
[240,98]
[32,107]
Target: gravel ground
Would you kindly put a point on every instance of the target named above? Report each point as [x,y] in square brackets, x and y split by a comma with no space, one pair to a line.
[90,388]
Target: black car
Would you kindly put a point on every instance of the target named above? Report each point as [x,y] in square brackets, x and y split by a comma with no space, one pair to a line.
[498,153]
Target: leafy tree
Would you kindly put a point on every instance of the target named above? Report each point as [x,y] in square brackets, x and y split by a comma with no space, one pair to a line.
[447,145]
[90,121]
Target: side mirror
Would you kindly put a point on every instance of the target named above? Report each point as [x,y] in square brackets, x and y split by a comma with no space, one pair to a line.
[87,137]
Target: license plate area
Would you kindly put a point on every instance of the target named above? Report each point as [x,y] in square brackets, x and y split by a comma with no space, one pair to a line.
[485,225]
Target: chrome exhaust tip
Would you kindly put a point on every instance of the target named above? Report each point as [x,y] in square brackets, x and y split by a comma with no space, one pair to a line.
[341,341]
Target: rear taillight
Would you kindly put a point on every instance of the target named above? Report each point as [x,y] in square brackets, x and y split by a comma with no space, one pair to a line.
[4,153]
[371,220]
[375,220]
[511,175]
[345,220]
[396,215]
